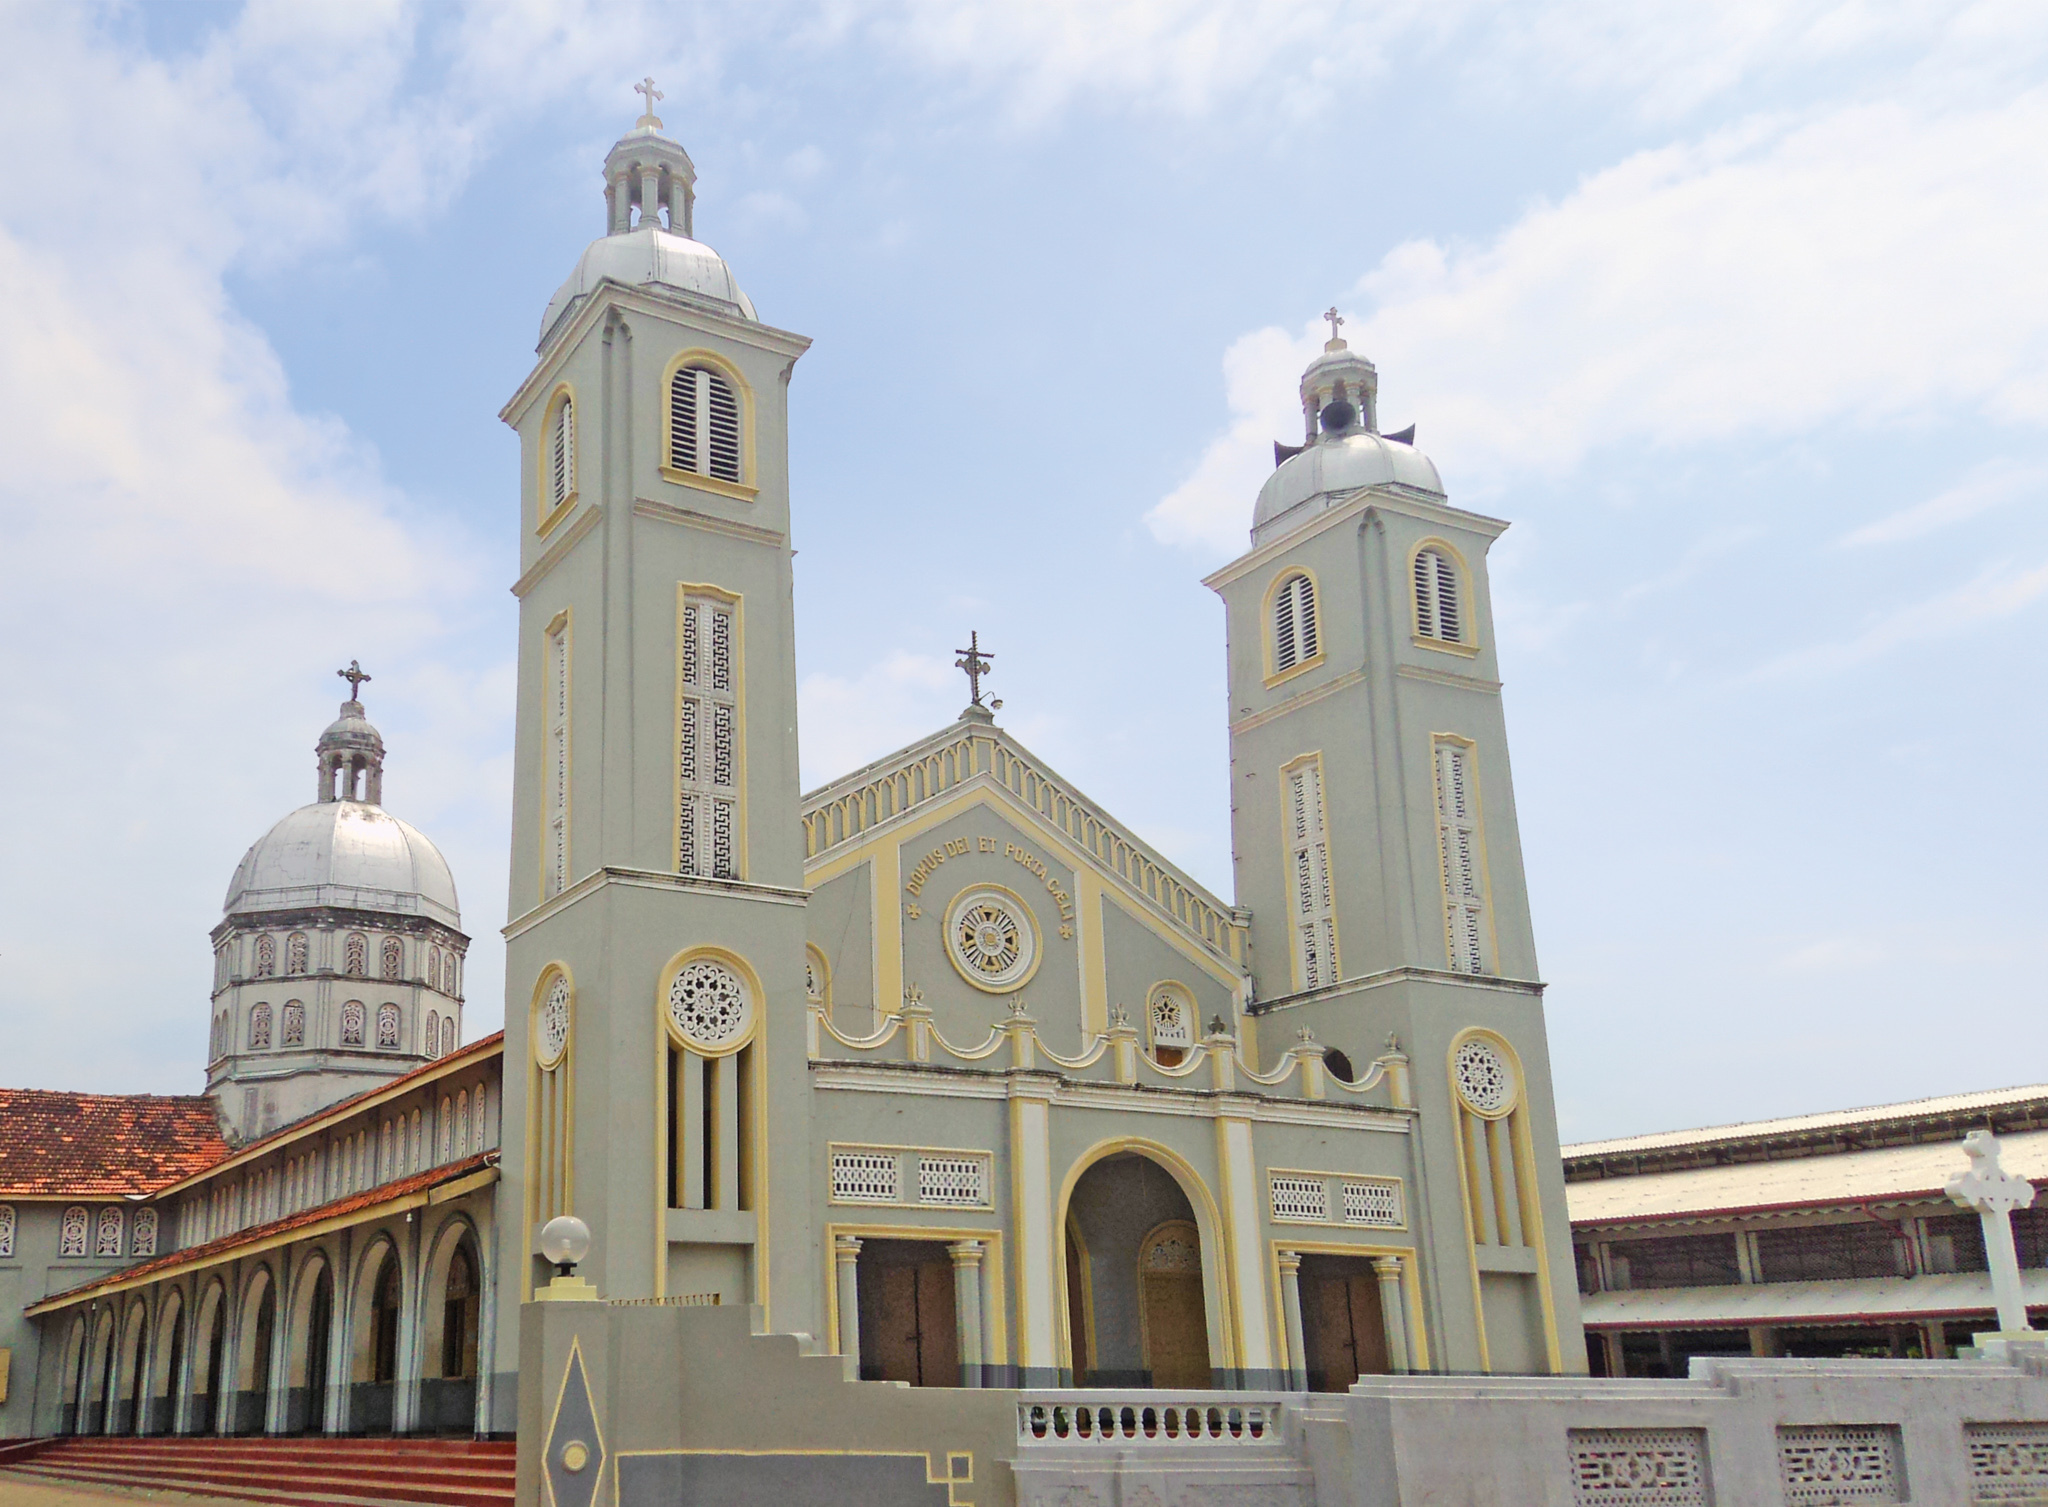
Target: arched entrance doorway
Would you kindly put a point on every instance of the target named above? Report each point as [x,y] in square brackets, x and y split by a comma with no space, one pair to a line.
[1137,1303]
[161,1408]
[305,1410]
[203,1416]
[70,1411]
[373,1369]
[454,1309]
[251,1402]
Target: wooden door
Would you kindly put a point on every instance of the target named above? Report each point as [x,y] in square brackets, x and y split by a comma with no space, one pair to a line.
[910,1331]
[1346,1336]
[1175,1319]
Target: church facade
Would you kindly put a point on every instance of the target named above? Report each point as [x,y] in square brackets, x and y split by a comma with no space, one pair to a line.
[940,1069]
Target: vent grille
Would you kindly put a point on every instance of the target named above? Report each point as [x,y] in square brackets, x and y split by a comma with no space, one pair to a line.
[864,1177]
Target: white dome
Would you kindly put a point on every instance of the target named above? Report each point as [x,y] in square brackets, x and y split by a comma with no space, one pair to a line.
[647,257]
[347,854]
[1308,484]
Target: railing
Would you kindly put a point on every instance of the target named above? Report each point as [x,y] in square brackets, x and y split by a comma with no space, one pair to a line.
[674,1300]
[1123,1420]
[838,818]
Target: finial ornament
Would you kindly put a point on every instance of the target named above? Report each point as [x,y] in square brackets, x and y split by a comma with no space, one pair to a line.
[913,994]
[1119,1018]
[646,87]
[976,664]
[1335,319]
[356,679]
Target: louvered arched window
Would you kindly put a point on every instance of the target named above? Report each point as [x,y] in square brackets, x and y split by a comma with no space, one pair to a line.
[1296,635]
[704,424]
[562,453]
[1439,612]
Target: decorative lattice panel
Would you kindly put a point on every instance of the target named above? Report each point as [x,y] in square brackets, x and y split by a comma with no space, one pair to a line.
[1300,1198]
[864,1177]
[1627,1467]
[2008,1462]
[1839,1463]
[1375,1202]
[952,1180]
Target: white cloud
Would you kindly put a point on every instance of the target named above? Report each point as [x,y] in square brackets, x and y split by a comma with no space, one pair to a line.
[1988,485]
[845,721]
[2000,591]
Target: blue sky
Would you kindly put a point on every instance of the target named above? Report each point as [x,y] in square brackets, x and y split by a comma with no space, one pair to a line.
[1737,312]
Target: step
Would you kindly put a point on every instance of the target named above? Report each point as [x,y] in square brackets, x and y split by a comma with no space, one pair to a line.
[399,1485]
[415,1466]
[267,1497]
[270,1492]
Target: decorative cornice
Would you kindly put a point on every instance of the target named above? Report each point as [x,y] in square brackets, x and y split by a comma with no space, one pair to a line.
[668,512]
[651,879]
[1486,983]
[552,555]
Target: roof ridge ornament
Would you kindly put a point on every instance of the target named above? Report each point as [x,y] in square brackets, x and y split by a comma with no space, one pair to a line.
[356,680]
[1336,341]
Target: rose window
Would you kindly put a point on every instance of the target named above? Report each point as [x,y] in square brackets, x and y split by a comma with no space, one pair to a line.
[551,1033]
[992,939]
[709,1005]
[1484,1080]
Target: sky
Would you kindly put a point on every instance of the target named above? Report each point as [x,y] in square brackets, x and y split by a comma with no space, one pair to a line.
[1737,312]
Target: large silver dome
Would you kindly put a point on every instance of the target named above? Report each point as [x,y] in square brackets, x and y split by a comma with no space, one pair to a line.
[1329,470]
[347,854]
[654,257]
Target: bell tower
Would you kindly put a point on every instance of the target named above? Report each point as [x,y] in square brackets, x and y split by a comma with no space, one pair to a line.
[655,1009]
[1375,842]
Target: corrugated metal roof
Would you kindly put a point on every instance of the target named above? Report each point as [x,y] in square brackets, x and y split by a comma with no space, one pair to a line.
[1852,1301]
[1801,1124]
[1889,1172]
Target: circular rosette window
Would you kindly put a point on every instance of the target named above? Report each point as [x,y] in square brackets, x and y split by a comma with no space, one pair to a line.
[1485,1081]
[551,1023]
[710,1006]
[992,938]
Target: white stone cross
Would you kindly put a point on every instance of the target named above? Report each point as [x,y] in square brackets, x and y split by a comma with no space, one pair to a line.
[1994,1193]
[646,87]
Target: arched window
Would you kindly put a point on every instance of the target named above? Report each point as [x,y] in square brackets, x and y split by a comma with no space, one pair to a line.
[352,1019]
[433,1041]
[1462,854]
[562,453]
[294,1023]
[704,424]
[6,1231]
[295,953]
[447,1035]
[447,1128]
[476,1106]
[355,952]
[394,958]
[73,1236]
[266,957]
[448,976]
[107,1234]
[387,1026]
[1170,1017]
[1438,612]
[1296,639]
[145,1233]
[259,1026]
[1338,1066]
[462,1123]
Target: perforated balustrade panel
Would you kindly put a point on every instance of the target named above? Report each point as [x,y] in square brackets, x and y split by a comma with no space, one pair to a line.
[1300,1198]
[1628,1467]
[2008,1461]
[1838,1464]
[864,1177]
[952,1181]
[1377,1202]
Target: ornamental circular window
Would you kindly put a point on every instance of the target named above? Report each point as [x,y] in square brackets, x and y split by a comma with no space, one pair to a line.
[709,1006]
[551,1025]
[992,938]
[1485,1082]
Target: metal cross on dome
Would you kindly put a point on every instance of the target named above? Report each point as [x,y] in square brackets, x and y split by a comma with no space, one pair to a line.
[1335,319]
[356,679]
[646,87]
[975,663]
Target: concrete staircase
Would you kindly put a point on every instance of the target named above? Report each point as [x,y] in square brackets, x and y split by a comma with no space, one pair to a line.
[312,1470]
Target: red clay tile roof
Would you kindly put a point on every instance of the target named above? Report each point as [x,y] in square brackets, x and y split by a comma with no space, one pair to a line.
[416,1182]
[102,1145]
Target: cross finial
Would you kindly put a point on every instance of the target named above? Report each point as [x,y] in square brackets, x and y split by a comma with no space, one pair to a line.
[646,87]
[1336,320]
[976,664]
[356,679]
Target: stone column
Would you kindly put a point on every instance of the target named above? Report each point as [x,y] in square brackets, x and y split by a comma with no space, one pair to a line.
[1994,1193]
[1763,1340]
[650,198]
[1290,1304]
[1040,1267]
[1393,1313]
[1238,1264]
[1934,1340]
[966,1256]
[845,1251]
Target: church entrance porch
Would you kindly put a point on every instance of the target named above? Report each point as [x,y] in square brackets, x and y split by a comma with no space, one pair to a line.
[1137,1301]
[909,1318]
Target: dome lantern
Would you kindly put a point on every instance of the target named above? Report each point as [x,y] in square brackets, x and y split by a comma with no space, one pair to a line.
[1340,391]
[351,752]
[647,171]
